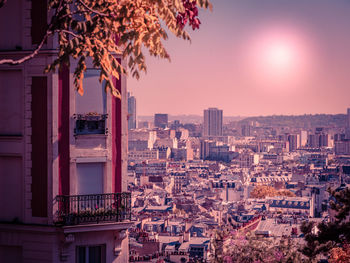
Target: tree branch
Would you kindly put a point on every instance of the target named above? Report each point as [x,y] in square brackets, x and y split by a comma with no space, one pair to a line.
[92,10]
[30,56]
[69,32]
[2,3]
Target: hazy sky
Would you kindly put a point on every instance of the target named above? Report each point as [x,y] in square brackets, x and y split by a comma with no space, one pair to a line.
[255,57]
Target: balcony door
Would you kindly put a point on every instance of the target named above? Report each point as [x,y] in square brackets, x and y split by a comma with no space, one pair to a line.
[91,254]
[89,178]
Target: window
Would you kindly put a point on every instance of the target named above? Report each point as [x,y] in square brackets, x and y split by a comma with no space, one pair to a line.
[91,254]
[11,18]
[11,188]
[94,98]
[90,178]
[91,108]
[11,103]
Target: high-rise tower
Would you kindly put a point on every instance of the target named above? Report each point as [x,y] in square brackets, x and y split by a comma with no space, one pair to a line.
[131,112]
[212,122]
[347,125]
[161,120]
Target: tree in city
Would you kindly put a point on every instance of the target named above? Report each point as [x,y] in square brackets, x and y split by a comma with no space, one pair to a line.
[263,191]
[340,254]
[100,29]
[330,239]
[234,246]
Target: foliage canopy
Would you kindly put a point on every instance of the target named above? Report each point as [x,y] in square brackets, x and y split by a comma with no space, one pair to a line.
[239,247]
[331,238]
[100,29]
[262,191]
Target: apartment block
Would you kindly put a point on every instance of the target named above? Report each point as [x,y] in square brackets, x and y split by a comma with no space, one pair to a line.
[62,155]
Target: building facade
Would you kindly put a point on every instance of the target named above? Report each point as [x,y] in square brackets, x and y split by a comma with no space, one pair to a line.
[132,117]
[347,124]
[62,155]
[293,140]
[212,122]
[160,120]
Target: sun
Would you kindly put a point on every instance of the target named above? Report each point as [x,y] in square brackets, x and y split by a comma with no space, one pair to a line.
[276,58]
[280,56]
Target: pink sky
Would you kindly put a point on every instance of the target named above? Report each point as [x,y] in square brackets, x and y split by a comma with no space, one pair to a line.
[255,58]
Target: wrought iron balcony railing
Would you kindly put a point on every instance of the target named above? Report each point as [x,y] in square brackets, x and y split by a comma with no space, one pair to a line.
[94,208]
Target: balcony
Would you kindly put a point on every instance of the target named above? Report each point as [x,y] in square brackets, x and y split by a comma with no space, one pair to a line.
[92,209]
[91,123]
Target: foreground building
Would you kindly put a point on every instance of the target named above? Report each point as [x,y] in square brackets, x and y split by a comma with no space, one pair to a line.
[61,155]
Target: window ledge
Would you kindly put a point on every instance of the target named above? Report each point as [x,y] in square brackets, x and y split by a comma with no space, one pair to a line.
[93,136]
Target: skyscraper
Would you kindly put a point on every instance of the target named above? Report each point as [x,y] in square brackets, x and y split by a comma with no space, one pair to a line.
[131,112]
[347,125]
[161,120]
[212,122]
[293,140]
[246,129]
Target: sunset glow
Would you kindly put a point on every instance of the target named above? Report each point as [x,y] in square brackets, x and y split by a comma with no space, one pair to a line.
[280,56]
[280,51]
[277,58]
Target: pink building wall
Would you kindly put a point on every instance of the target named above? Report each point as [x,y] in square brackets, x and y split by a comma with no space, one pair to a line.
[40,152]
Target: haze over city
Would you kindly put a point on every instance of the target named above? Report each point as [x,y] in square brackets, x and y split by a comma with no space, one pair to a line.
[255,58]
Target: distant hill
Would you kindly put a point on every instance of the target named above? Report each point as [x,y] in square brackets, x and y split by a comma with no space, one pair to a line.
[300,121]
[190,118]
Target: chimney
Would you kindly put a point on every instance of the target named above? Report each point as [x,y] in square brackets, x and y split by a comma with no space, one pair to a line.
[187,236]
[187,226]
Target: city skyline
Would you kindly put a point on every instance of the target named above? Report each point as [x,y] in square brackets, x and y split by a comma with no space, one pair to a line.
[151,115]
[190,115]
[309,35]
